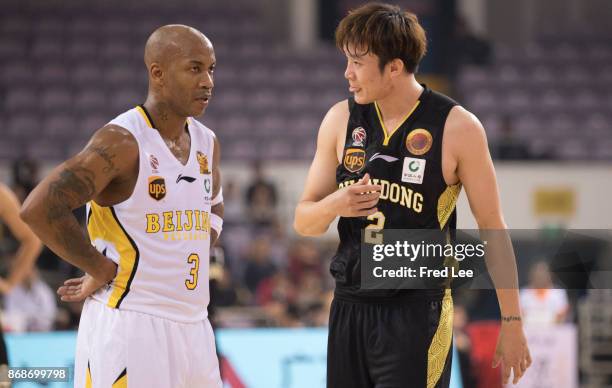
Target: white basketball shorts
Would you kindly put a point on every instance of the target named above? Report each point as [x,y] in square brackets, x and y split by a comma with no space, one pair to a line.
[120,349]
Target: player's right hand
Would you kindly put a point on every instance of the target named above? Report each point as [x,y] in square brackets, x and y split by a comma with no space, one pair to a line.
[356,200]
[77,289]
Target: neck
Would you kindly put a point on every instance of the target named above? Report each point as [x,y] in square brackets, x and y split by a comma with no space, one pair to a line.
[400,99]
[168,123]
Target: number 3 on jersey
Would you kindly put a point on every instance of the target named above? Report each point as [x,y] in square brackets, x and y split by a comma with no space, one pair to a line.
[194,260]
[371,235]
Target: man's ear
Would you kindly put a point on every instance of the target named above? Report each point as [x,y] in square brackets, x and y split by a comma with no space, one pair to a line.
[156,74]
[396,67]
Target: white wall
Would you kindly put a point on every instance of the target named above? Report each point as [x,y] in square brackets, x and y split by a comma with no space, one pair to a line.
[590,185]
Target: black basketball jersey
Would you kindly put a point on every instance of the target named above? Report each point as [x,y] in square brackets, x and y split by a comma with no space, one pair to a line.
[407,163]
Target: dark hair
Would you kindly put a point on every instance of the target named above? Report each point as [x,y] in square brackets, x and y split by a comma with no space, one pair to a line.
[384,30]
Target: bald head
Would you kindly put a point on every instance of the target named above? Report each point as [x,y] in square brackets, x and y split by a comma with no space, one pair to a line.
[173,41]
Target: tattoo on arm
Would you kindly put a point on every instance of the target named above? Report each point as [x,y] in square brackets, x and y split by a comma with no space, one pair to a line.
[107,156]
[73,188]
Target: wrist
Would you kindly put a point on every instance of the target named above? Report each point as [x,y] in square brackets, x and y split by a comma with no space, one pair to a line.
[505,319]
[107,271]
[328,206]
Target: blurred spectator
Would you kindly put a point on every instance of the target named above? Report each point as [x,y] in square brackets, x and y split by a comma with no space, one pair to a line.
[224,293]
[25,177]
[321,316]
[310,290]
[261,198]
[304,256]
[467,48]
[233,212]
[509,146]
[259,263]
[463,344]
[68,316]
[277,295]
[33,302]
[276,288]
[540,301]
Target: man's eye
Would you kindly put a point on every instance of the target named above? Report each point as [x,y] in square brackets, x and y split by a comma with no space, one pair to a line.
[195,69]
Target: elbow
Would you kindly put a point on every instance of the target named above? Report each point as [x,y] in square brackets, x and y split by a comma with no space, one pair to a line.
[491,223]
[307,224]
[26,214]
[29,212]
[306,231]
[299,229]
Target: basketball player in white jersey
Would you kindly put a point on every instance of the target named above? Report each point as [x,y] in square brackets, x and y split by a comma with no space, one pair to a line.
[151,182]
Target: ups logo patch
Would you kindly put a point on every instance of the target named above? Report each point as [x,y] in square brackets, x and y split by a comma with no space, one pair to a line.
[354,159]
[157,187]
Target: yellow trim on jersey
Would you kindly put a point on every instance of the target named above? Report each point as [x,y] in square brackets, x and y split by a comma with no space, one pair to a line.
[88,377]
[382,123]
[447,202]
[144,116]
[121,381]
[441,342]
[103,224]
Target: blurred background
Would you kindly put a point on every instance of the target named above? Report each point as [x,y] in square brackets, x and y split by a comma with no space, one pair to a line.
[538,74]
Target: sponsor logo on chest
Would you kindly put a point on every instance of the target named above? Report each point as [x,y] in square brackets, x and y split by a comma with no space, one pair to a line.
[354,159]
[157,187]
[413,170]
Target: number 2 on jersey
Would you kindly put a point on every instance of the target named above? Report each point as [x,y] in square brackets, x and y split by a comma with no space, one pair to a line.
[371,235]
[194,260]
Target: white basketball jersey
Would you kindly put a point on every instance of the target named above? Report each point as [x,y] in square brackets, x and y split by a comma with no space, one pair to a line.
[160,236]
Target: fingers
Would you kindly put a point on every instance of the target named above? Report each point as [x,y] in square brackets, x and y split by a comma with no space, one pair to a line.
[518,372]
[523,365]
[363,189]
[365,205]
[496,360]
[366,212]
[74,281]
[368,197]
[70,293]
[67,290]
[364,180]
[505,373]
[528,357]
[71,298]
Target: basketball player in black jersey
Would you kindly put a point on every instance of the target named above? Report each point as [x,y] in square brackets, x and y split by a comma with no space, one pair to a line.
[396,156]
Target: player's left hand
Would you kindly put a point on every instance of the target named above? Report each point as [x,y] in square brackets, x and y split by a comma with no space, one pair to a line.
[512,352]
[77,289]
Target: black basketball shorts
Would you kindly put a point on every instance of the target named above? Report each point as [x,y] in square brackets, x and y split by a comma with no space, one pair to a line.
[392,344]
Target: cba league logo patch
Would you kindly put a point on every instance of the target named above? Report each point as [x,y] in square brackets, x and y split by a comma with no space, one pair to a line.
[157,187]
[419,141]
[359,136]
[153,162]
[354,159]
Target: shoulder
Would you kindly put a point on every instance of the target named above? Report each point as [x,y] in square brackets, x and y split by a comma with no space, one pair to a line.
[111,146]
[336,117]
[201,127]
[462,124]
[339,109]
[206,132]
[114,137]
